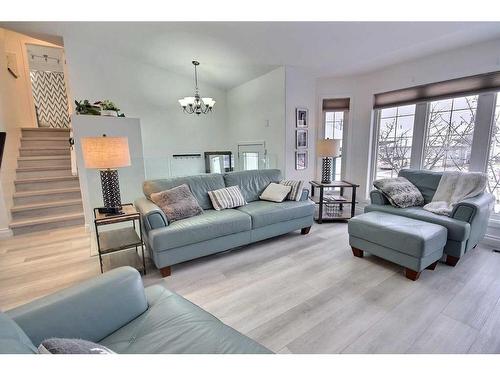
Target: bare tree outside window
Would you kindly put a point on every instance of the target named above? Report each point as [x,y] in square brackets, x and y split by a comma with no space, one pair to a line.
[450,131]
[394,140]
[494,158]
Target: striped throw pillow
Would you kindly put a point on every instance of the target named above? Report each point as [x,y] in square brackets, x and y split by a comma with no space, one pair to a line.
[229,197]
[296,191]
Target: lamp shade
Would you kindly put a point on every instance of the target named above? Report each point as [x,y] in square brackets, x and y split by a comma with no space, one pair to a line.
[105,152]
[327,148]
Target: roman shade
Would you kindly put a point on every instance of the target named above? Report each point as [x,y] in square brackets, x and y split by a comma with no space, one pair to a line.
[338,104]
[440,90]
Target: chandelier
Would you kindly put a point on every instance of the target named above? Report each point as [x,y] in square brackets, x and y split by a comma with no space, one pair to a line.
[195,104]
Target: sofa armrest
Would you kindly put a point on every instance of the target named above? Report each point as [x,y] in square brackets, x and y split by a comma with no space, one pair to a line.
[304,196]
[152,216]
[90,310]
[377,197]
[468,209]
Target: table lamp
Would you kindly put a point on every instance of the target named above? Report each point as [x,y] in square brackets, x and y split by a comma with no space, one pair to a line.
[107,154]
[328,149]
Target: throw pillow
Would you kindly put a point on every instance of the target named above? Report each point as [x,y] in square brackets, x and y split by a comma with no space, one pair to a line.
[275,192]
[229,197]
[177,203]
[296,192]
[400,192]
[71,346]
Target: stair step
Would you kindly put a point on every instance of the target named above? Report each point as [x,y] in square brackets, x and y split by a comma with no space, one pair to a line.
[36,206]
[33,172]
[44,132]
[40,161]
[46,223]
[36,210]
[44,151]
[41,196]
[44,141]
[45,183]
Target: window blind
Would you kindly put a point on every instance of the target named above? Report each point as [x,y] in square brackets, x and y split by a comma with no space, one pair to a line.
[338,104]
[440,90]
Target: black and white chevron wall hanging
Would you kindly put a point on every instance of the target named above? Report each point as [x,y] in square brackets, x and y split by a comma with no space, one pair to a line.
[51,100]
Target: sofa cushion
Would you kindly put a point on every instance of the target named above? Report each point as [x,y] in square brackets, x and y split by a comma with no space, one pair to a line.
[265,213]
[172,324]
[199,185]
[425,181]
[210,224]
[457,230]
[177,203]
[275,192]
[400,192]
[13,340]
[252,183]
[409,236]
[229,197]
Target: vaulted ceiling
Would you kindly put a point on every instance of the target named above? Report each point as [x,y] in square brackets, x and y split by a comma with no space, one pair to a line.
[235,52]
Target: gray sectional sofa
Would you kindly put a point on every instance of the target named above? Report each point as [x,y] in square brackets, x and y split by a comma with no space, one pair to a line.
[465,227]
[116,311]
[216,231]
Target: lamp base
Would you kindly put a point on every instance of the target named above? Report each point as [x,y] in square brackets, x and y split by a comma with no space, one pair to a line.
[110,192]
[326,171]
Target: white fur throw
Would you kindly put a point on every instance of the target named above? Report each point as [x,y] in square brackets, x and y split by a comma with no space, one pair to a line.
[453,188]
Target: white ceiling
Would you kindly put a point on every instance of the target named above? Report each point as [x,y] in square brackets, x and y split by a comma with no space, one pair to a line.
[235,52]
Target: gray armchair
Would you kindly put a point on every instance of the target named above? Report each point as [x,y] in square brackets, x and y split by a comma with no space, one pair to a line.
[467,224]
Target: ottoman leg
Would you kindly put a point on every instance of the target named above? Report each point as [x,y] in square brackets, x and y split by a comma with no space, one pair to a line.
[412,275]
[357,252]
[451,260]
[432,266]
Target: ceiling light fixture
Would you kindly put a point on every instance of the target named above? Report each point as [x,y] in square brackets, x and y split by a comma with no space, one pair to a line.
[195,104]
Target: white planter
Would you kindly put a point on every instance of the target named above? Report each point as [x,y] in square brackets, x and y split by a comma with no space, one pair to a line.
[106,112]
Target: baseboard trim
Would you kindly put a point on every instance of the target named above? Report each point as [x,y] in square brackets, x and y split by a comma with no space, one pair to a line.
[6,233]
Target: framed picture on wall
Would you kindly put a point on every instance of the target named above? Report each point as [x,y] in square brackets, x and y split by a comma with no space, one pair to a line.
[300,160]
[301,117]
[301,140]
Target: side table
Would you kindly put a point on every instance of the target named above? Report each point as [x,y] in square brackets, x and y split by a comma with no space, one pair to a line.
[114,240]
[330,199]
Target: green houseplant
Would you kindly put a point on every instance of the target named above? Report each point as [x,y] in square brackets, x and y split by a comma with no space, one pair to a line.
[108,108]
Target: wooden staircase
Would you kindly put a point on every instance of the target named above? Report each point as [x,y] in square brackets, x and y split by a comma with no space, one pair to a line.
[47,195]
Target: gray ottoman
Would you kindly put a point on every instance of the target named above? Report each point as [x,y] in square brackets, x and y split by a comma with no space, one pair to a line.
[411,243]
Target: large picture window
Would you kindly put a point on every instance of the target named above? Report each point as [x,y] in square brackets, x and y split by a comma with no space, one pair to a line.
[450,130]
[395,135]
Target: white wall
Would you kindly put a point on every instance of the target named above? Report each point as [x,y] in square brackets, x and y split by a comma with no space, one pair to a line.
[300,92]
[475,59]
[150,94]
[256,112]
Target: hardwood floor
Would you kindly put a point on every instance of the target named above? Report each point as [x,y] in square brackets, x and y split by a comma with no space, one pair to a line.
[297,294]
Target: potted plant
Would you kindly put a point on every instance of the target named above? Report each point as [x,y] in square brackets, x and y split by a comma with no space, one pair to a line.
[108,108]
[85,108]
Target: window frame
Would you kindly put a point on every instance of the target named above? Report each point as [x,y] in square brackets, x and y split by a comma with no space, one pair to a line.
[345,132]
[483,128]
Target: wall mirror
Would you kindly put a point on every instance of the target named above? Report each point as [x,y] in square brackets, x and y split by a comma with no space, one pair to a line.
[218,161]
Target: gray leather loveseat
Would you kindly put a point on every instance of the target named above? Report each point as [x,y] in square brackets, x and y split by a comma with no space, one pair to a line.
[215,231]
[116,311]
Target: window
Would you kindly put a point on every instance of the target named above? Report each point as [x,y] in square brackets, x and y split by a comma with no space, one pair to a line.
[250,161]
[334,129]
[394,140]
[450,130]
[493,168]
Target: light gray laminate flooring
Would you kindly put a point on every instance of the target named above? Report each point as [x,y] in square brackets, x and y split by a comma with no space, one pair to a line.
[297,294]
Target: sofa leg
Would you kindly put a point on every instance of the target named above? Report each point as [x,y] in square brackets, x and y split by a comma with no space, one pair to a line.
[451,260]
[357,252]
[305,230]
[165,271]
[432,266]
[412,275]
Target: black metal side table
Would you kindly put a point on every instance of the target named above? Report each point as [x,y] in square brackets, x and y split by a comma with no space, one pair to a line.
[114,240]
[330,200]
